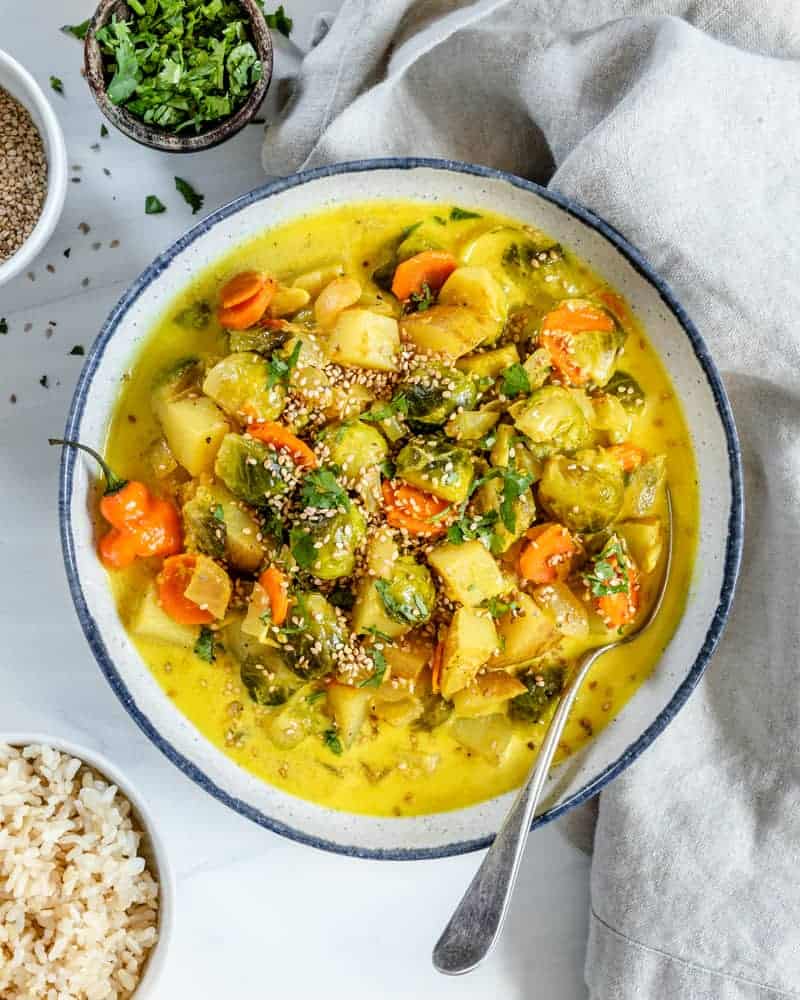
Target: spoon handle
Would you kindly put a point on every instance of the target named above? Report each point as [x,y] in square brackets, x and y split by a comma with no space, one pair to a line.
[478,919]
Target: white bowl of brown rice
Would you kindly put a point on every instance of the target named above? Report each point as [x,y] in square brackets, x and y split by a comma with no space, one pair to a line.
[86,891]
[33,168]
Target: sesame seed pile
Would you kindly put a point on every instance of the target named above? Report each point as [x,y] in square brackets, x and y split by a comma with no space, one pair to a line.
[23,169]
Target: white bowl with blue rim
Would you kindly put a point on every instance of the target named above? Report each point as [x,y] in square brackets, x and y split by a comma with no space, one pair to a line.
[707,412]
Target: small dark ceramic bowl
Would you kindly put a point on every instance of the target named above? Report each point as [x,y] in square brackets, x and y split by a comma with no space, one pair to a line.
[152,135]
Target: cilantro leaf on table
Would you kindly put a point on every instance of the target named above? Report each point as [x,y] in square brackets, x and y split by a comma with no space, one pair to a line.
[515,381]
[280,21]
[153,205]
[190,196]
[57,84]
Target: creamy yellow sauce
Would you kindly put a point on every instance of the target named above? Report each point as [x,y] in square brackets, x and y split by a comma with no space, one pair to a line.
[389,771]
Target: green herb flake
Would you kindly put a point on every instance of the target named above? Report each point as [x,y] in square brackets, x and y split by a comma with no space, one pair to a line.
[280,21]
[321,490]
[57,84]
[219,513]
[420,301]
[497,607]
[315,696]
[397,405]
[190,196]
[460,214]
[302,545]
[77,30]
[280,369]
[78,351]
[331,740]
[103,132]
[153,206]
[205,645]
[608,570]
[515,381]
[376,678]
[3,326]
[341,597]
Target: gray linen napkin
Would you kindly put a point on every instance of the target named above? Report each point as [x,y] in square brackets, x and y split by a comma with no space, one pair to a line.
[684,132]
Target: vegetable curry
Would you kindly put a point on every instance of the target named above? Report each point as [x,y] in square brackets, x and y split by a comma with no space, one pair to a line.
[407,462]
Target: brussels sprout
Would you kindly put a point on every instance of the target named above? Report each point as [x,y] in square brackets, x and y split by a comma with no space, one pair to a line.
[543,686]
[239,385]
[316,637]
[594,353]
[409,595]
[268,683]
[489,364]
[250,469]
[222,527]
[627,390]
[354,446]
[326,546]
[523,510]
[553,421]
[645,487]
[584,492]
[537,367]
[471,425]
[435,391]
[436,466]
[611,418]
[195,316]
[203,530]
[259,339]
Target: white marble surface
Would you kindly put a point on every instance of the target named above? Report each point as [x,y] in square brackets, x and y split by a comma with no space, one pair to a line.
[256,915]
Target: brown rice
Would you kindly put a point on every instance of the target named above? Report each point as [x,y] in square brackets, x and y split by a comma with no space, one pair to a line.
[78,905]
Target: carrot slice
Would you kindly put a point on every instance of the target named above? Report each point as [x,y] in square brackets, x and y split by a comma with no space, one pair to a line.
[546,556]
[630,456]
[172,581]
[412,509]
[431,268]
[277,588]
[556,336]
[247,313]
[279,436]
[241,287]
[618,610]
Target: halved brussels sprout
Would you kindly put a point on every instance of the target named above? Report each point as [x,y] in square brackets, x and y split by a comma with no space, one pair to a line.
[553,420]
[489,364]
[409,595]
[627,390]
[434,392]
[611,418]
[471,425]
[239,385]
[437,466]
[259,339]
[250,469]
[336,537]
[543,686]
[269,682]
[645,488]
[316,637]
[216,523]
[584,491]
[354,446]
[595,353]
[447,329]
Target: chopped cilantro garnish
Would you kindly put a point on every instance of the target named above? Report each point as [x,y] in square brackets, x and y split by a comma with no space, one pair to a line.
[3,325]
[280,21]
[180,64]
[153,205]
[608,570]
[411,611]
[515,381]
[279,369]
[458,214]
[321,489]
[302,545]
[420,301]
[57,85]
[205,645]
[331,740]
[219,513]
[190,196]
[78,350]
[498,607]
[77,30]
[315,696]
[398,404]
[376,678]
[103,131]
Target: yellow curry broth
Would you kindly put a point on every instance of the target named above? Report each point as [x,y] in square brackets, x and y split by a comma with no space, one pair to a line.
[390,771]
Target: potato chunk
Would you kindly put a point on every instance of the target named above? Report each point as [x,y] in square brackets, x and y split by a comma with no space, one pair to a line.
[150,621]
[469,572]
[525,634]
[364,339]
[349,706]
[451,330]
[194,427]
[488,735]
[570,615]
[471,640]
[487,694]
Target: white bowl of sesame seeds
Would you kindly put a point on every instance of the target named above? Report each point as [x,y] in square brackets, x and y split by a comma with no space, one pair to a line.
[33,166]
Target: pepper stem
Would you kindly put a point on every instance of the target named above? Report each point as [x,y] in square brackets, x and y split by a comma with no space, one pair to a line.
[113,482]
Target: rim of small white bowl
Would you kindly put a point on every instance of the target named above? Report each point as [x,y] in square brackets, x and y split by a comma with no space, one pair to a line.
[155,847]
[44,117]
[733,546]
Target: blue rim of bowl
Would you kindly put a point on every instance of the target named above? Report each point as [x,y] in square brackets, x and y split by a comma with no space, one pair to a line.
[733,549]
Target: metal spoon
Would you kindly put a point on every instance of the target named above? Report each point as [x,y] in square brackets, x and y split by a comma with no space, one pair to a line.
[476,924]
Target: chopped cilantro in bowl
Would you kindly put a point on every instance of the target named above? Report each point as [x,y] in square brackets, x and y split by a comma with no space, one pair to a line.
[179,74]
